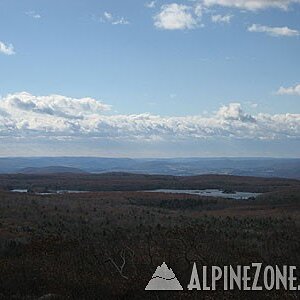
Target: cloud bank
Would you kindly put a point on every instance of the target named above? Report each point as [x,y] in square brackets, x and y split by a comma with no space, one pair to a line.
[56,116]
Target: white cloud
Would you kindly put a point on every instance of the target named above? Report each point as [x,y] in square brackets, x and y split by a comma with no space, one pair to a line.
[176,17]
[151,4]
[221,19]
[110,18]
[55,116]
[198,10]
[293,90]
[252,4]
[53,105]
[7,49]
[33,14]
[234,112]
[273,31]
[120,21]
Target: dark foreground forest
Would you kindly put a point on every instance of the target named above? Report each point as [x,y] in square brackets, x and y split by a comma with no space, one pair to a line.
[107,244]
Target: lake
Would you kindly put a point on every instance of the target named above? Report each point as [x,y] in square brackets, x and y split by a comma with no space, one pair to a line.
[207,192]
[210,193]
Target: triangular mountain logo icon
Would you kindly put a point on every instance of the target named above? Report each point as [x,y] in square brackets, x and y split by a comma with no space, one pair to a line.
[163,279]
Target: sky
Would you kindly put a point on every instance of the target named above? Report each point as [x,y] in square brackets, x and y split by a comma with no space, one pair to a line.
[137,78]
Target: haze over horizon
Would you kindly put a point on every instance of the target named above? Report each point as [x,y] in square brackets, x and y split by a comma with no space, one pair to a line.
[188,78]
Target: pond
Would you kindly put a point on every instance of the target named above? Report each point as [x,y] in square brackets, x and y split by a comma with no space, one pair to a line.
[50,192]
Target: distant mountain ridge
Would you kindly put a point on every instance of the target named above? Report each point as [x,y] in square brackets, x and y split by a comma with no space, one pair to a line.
[260,167]
[52,170]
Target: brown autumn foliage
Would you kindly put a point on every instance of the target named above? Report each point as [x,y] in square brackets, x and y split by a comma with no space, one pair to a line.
[106,245]
[138,182]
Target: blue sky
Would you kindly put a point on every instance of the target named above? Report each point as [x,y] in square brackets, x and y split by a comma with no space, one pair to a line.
[170,78]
